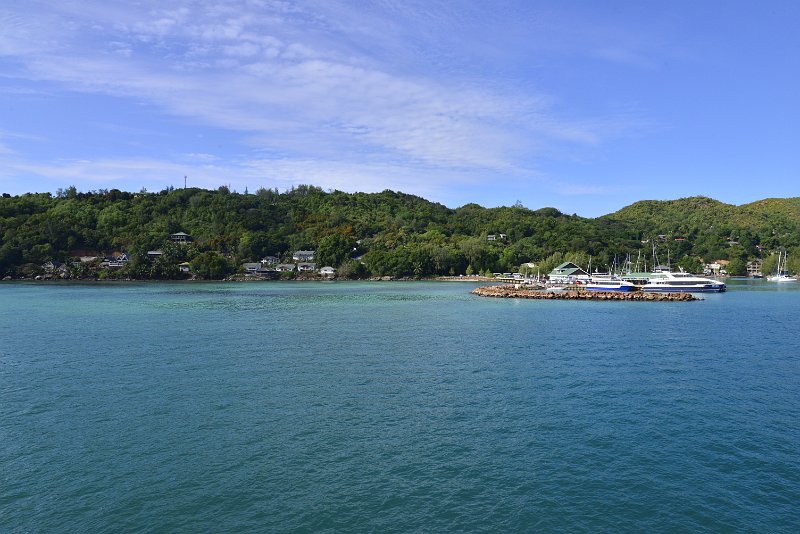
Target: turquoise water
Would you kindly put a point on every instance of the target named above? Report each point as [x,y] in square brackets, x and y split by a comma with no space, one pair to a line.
[383,407]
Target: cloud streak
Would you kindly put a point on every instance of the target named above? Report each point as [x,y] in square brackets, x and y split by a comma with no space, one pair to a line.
[317,92]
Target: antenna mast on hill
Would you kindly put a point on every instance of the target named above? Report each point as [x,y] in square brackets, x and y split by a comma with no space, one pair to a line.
[184,182]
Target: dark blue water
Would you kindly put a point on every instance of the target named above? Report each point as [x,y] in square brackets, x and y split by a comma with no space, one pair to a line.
[395,407]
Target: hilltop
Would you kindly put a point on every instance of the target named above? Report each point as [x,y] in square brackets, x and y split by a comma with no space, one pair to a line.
[779,217]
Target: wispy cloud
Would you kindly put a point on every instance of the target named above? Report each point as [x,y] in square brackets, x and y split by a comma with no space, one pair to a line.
[332,93]
[11,134]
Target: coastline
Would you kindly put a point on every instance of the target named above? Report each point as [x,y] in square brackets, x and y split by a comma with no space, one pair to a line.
[246,278]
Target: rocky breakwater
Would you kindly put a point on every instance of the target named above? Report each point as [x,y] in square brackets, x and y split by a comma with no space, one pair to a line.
[512,292]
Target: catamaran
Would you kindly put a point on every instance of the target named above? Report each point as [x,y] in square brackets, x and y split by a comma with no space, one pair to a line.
[665,281]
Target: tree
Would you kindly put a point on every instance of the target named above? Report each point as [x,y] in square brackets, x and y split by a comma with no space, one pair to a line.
[691,264]
[334,249]
[351,270]
[211,265]
[736,267]
[770,265]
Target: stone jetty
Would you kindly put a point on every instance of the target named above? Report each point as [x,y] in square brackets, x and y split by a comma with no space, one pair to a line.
[512,292]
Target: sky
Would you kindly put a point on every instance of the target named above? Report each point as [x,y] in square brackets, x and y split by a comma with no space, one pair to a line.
[584,106]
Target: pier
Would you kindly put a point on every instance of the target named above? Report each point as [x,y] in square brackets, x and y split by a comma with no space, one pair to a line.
[512,292]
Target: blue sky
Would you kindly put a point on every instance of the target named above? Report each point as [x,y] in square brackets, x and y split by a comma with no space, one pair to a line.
[584,106]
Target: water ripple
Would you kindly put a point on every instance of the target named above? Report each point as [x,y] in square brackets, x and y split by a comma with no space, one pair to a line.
[394,407]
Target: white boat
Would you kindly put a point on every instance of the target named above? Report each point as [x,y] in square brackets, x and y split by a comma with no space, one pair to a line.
[608,282]
[669,282]
[782,275]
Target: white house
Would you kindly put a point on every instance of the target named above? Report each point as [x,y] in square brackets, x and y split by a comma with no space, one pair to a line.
[327,271]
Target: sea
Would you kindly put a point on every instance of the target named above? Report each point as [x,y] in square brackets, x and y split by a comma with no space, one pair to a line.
[395,407]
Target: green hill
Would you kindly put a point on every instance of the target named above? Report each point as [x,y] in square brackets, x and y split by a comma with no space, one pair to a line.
[375,234]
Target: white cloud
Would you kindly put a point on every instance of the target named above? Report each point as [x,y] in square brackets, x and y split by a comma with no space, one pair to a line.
[201,157]
[328,89]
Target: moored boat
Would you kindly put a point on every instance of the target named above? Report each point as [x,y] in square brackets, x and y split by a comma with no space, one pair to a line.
[782,274]
[608,282]
[669,282]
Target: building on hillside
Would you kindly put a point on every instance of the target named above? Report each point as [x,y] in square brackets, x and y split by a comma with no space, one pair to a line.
[305,267]
[270,260]
[185,267]
[304,255]
[51,266]
[754,269]
[115,261]
[568,273]
[180,237]
[716,267]
[251,267]
[327,271]
[285,268]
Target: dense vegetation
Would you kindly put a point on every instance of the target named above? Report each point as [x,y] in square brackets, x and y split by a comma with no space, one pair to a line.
[379,234]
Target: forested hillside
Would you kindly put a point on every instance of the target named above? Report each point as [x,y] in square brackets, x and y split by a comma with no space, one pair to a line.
[376,234]
[706,228]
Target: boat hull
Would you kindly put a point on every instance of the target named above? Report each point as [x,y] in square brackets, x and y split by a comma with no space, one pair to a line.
[590,287]
[685,289]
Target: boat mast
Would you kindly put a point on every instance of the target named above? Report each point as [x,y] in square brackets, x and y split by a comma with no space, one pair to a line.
[655,257]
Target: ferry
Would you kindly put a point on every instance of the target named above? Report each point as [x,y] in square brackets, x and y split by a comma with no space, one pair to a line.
[608,282]
[669,282]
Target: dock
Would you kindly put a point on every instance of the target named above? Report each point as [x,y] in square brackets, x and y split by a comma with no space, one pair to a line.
[512,292]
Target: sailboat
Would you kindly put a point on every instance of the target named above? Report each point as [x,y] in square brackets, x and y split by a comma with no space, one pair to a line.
[782,275]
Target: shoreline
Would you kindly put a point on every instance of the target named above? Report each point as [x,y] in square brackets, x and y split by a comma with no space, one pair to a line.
[245,278]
